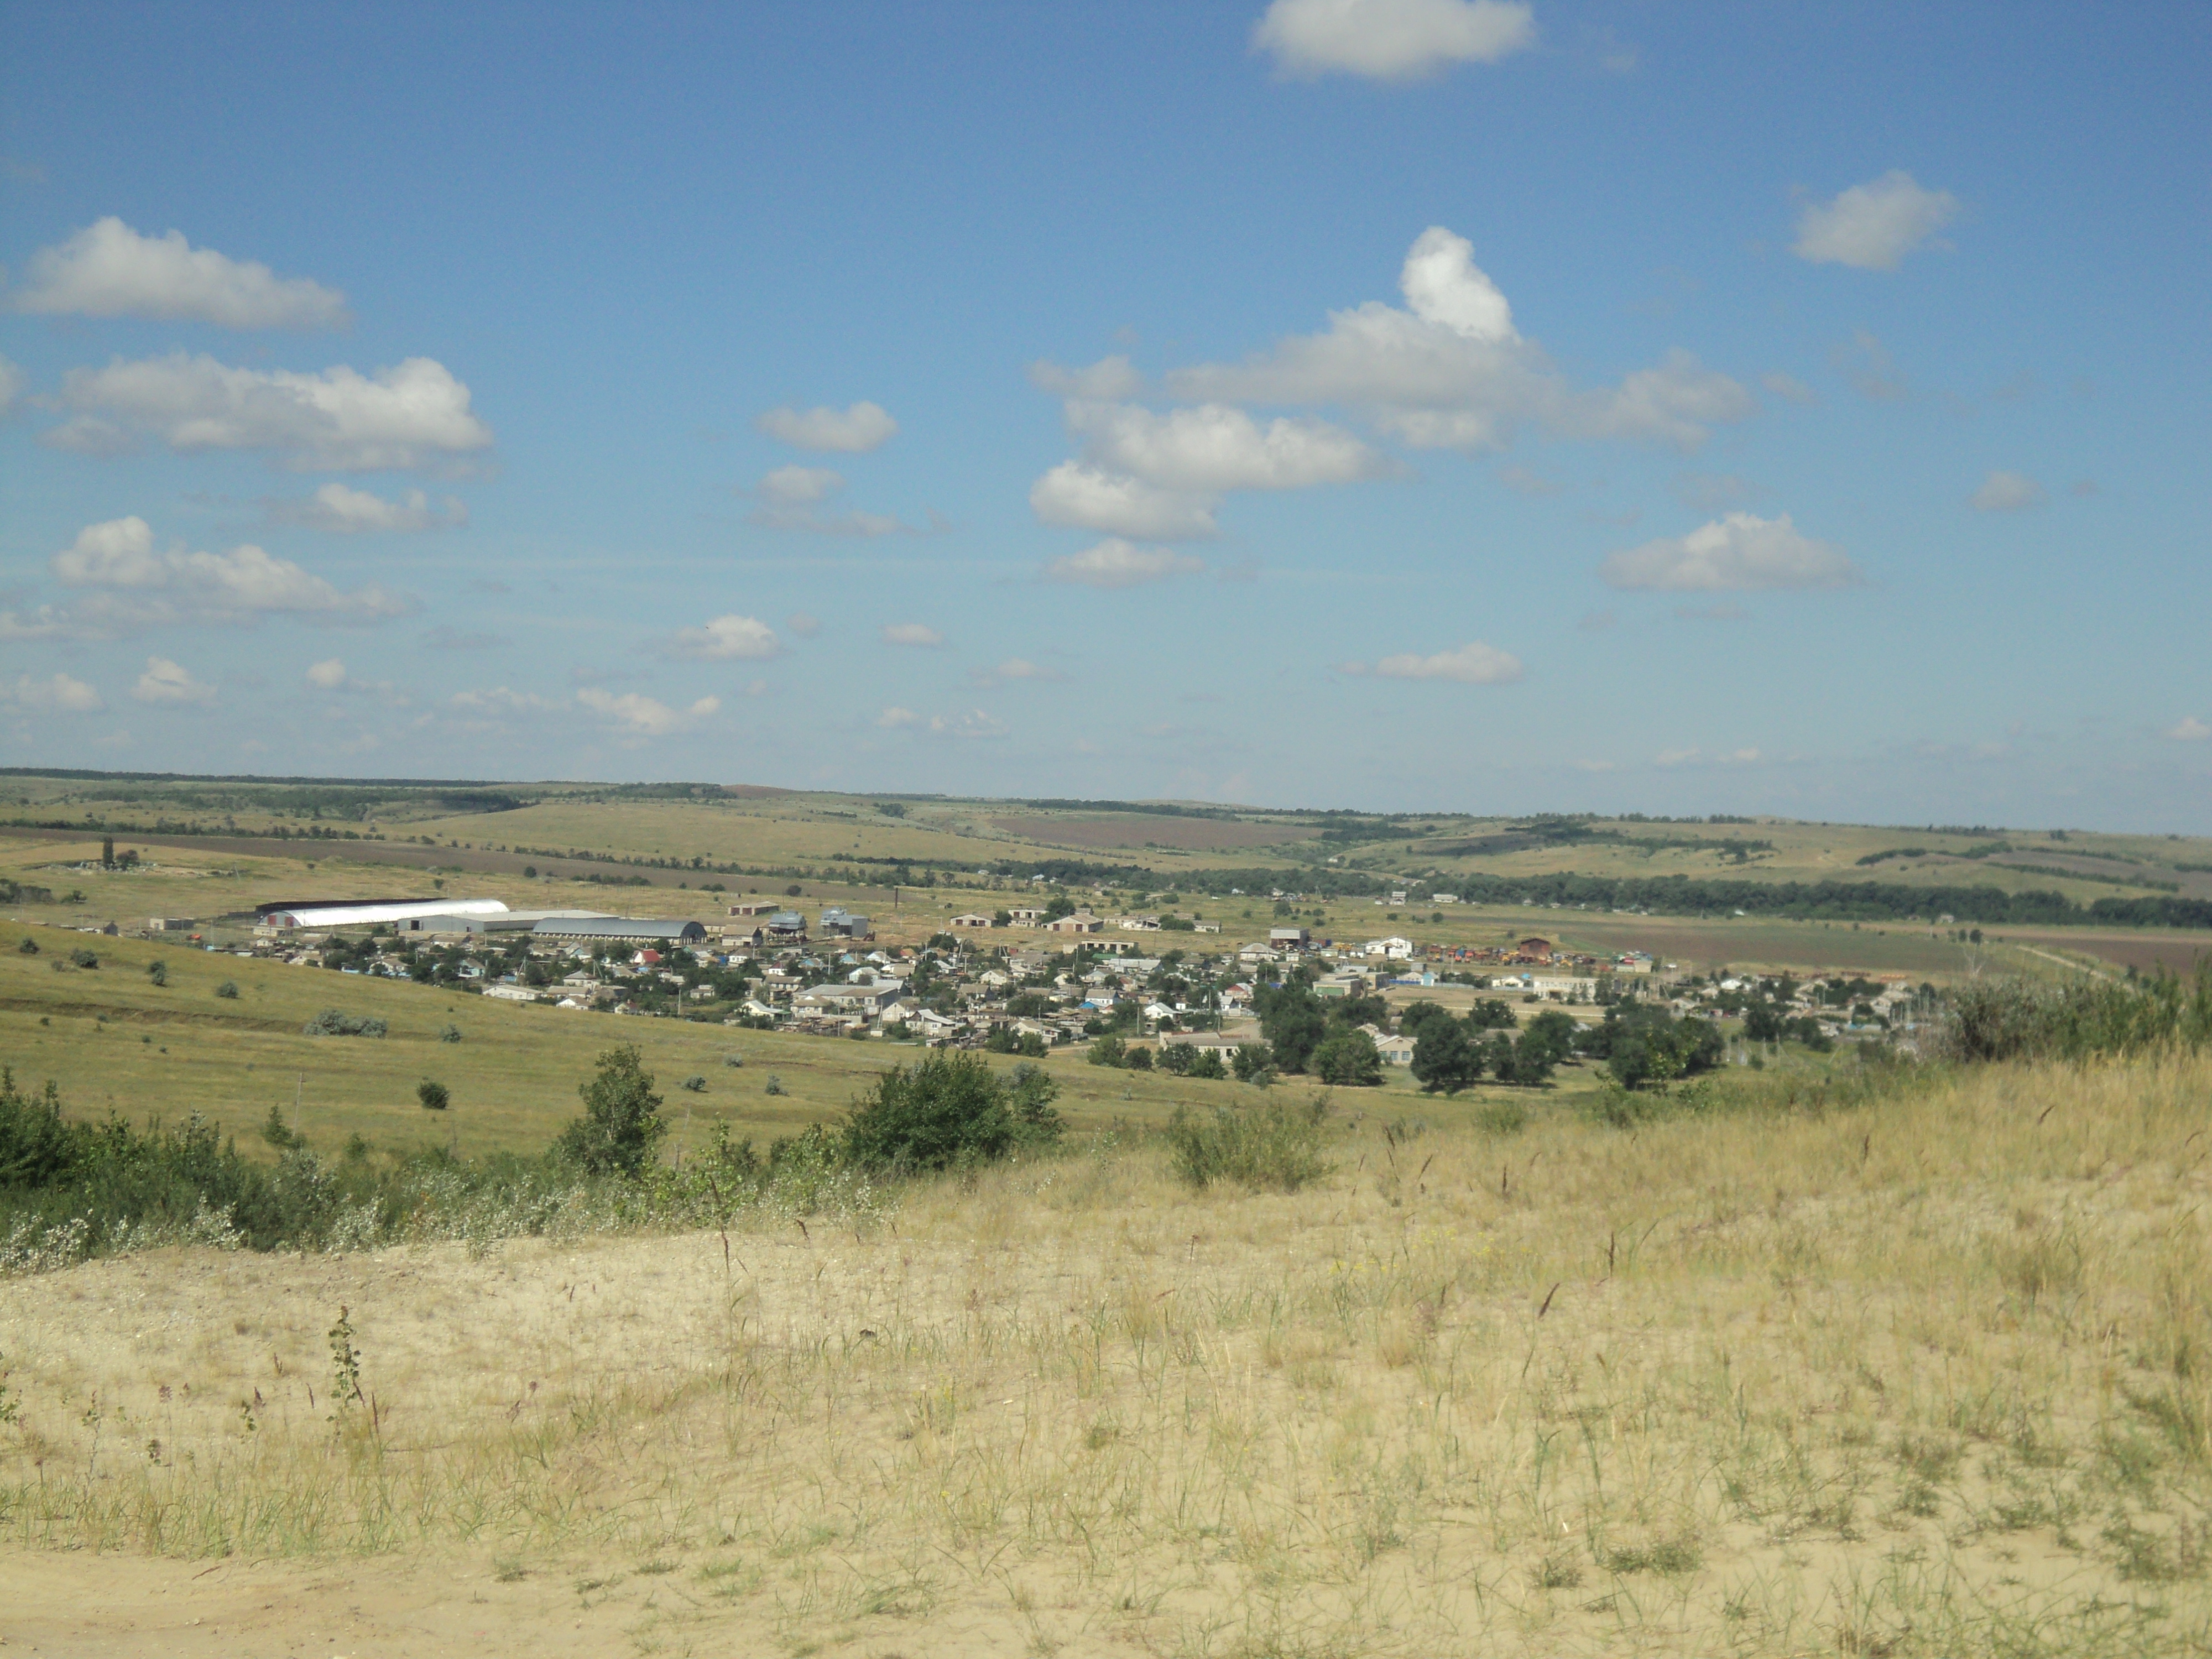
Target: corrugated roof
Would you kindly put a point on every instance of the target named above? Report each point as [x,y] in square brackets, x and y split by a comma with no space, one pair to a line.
[621,928]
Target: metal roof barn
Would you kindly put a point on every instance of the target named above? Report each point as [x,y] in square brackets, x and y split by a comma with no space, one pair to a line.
[624,929]
[361,912]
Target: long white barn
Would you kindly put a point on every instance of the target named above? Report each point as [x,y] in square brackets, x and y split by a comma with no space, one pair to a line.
[361,914]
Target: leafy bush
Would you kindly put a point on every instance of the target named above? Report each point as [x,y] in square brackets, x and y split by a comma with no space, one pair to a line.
[1207,1063]
[774,1084]
[228,990]
[449,1033]
[1137,1058]
[81,957]
[1501,1117]
[1030,1092]
[434,1097]
[733,1060]
[696,1084]
[1253,1062]
[1108,1050]
[158,972]
[2016,1019]
[336,1022]
[622,1125]
[29,946]
[948,1110]
[1276,1145]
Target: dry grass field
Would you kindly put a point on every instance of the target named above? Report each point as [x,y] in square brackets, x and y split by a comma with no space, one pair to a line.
[1926,1373]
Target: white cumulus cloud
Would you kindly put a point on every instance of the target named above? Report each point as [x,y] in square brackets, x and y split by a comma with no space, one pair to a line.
[109,269]
[168,682]
[728,639]
[643,716]
[344,511]
[853,431]
[328,675]
[791,498]
[1116,564]
[1737,551]
[1086,497]
[130,583]
[1390,39]
[410,415]
[896,719]
[911,633]
[1215,447]
[2007,492]
[1472,664]
[1451,371]
[2188,729]
[1872,227]
[58,693]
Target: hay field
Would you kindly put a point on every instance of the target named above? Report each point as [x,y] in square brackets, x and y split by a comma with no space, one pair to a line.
[1136,832]
[1920,1376]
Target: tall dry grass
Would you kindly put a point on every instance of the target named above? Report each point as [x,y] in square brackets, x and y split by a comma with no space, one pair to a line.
[1928,1373]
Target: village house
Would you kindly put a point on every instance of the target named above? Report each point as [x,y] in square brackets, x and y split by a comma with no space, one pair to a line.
[1222,1042]
[1081,923]
[1395,1048]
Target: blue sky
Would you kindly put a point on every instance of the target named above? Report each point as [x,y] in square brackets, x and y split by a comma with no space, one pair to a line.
[1406,404]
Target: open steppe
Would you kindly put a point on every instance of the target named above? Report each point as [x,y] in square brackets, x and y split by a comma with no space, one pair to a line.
[1828,1359]
[1913,1368]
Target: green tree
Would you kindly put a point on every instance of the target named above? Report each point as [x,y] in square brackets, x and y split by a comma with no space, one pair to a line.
[622,1126]
[1447,1057]
[1108,1050]
[1417,1016]
[1553,1032]
[1253,1062]
[1293,1022]
[1348,1058]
